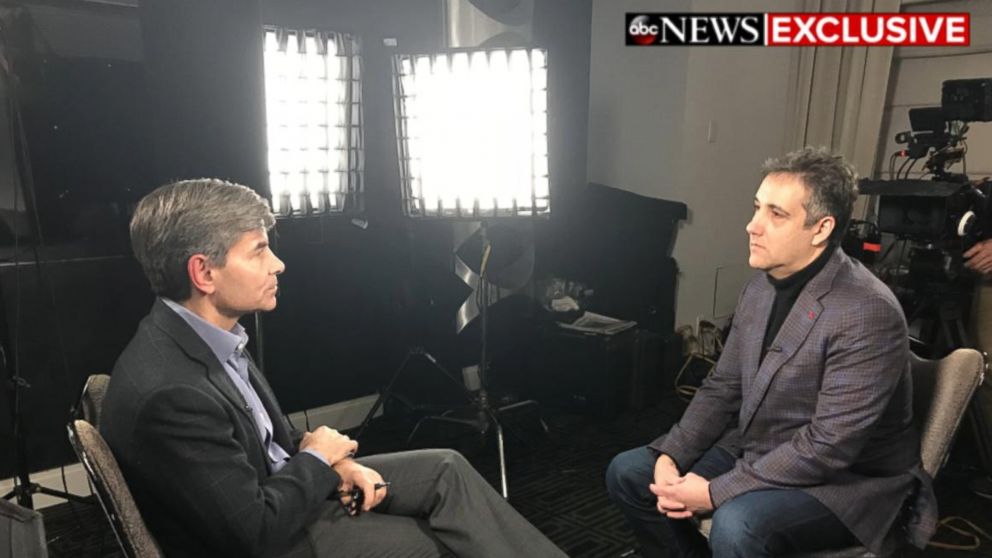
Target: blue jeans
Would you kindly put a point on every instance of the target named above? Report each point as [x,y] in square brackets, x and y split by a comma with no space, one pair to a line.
[752,525]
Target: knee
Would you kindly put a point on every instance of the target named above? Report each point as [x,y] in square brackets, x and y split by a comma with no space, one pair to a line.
[450,459]
[614,474]
[733,532]
[622,479]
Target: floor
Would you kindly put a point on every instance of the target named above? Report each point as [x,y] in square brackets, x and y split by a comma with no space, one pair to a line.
[556,480]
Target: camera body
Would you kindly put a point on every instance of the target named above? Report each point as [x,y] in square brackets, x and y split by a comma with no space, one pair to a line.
[940,220]
[946,214]
[932,212]
[934,217]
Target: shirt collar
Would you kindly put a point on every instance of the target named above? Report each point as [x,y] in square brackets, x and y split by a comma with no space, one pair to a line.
[224,344]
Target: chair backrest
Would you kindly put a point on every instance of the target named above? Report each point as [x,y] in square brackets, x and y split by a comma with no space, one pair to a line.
[22,533]
[91,399]
[942,390]
[115,498]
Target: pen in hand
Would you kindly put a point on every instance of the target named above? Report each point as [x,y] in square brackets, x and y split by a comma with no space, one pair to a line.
[353,491]
[355,498]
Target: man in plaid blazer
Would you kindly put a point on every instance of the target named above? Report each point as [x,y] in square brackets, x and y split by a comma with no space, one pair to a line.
[213,465]
[802,437]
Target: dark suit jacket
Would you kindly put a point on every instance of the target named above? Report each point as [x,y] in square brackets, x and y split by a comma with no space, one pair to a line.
[190,452]
[828,411]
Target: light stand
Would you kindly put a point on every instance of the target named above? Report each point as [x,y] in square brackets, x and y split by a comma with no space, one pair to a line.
[24,489]
[472,129]
[388,391]
[487,416]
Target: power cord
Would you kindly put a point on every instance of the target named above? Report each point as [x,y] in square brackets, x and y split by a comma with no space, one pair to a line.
[704,343]
[970,530]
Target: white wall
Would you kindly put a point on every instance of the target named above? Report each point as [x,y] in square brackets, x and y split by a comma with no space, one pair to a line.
[636,103]
[916,77]
[650,115]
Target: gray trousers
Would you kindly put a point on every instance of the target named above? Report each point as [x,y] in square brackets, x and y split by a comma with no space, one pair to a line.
[437,505]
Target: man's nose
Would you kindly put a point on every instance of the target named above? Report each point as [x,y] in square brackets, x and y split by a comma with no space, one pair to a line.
[279,266]
[753,226]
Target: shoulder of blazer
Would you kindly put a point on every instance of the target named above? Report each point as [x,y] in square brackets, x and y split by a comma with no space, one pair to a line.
[162,320]
[832,275]
[839,273]
[854,282]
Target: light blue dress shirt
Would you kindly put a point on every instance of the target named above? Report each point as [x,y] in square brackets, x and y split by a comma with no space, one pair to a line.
[229,348]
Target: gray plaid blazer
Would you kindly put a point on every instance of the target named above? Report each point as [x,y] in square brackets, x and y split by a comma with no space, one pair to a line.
[828,411]
[191,455]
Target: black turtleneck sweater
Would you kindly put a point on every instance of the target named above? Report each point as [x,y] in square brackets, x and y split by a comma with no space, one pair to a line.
[787,291]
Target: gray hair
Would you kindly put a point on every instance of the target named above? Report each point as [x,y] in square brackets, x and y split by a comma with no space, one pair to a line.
[831,182]
[203,216]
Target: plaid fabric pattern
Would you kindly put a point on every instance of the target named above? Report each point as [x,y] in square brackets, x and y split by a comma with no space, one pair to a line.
[828,411]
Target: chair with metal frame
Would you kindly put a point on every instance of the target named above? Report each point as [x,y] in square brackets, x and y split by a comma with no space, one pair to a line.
[22,532]
[112,492]
[942,390]
[91,399]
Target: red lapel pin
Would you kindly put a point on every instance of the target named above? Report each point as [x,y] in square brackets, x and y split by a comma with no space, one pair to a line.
[812,315]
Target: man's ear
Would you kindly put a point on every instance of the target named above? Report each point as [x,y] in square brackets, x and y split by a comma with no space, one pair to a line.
[200,273]
[823,230]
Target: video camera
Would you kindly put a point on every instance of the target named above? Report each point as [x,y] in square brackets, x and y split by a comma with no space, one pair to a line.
[937,216]
[939,132]
[944,215]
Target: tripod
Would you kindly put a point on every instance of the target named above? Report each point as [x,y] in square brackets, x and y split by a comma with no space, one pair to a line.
[486,416]
[24,489]
[947,330]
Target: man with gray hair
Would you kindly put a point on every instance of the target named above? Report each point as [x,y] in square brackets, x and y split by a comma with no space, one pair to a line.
[802,437]
[214,467]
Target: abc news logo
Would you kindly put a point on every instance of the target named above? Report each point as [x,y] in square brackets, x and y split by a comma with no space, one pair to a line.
[798,29]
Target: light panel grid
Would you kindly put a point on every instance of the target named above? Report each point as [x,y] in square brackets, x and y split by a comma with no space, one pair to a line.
[472,133]
[313,121]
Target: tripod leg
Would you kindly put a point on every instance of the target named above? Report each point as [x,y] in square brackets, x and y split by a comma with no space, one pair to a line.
[59,494]
[386,393]
[963,339]
[952,325]
[488,415]
[502,461]
[481,427]
[527,403]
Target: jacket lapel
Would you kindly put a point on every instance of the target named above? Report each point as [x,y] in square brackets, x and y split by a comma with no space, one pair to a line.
[279,432]
[753,327]
[194,347]
[793,333]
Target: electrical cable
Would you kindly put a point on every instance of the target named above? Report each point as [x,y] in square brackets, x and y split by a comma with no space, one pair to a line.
[972,531]
[704,345]
[910,169]
[18,138]
[964,158]
[902,166]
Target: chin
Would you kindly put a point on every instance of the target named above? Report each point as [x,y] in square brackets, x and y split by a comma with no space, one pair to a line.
[264,305]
